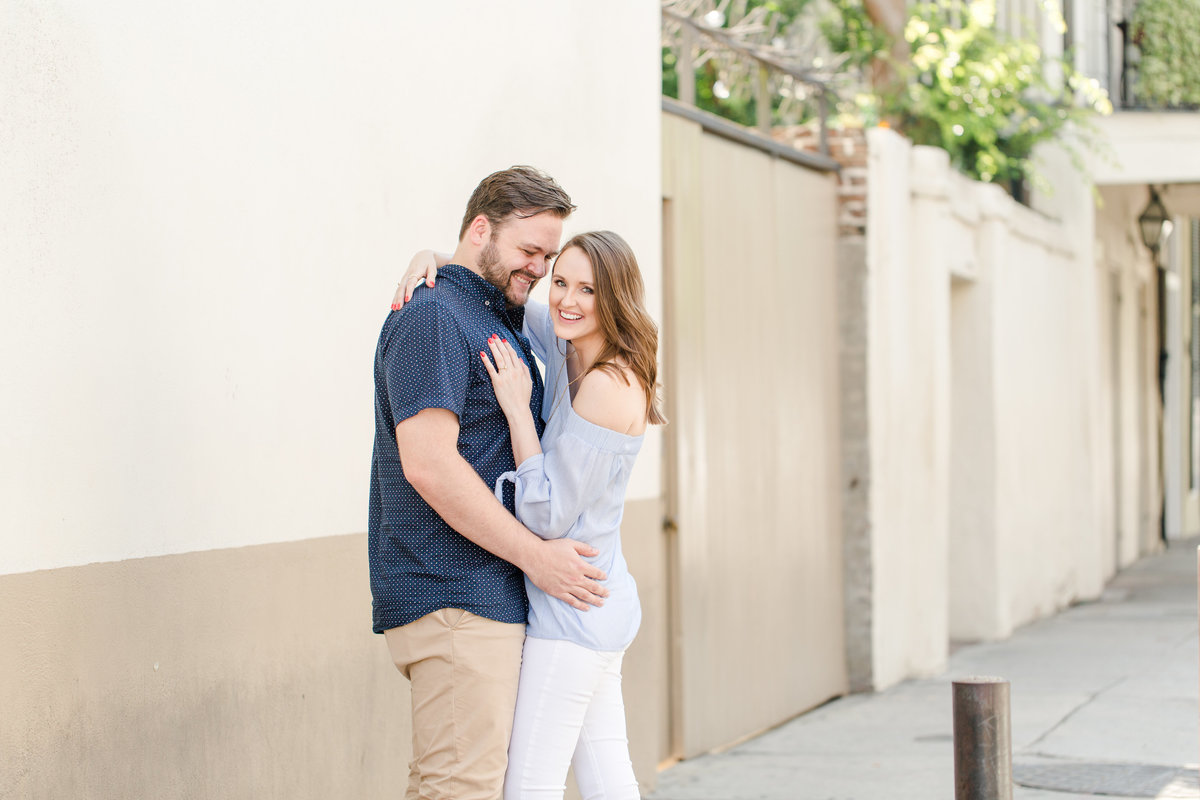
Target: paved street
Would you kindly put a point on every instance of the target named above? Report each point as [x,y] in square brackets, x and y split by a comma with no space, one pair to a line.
[1104,702]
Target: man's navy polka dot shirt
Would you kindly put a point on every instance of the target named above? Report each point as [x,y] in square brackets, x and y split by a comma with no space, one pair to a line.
[428,357]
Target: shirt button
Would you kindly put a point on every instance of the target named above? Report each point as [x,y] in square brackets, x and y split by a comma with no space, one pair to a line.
[487,302]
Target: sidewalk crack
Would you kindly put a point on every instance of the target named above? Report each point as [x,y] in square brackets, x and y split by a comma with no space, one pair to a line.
[1067,717]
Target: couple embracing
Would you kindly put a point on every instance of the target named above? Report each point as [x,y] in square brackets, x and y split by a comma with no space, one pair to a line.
[496,498]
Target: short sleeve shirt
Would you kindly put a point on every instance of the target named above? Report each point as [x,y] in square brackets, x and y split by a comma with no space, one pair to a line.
[428,357]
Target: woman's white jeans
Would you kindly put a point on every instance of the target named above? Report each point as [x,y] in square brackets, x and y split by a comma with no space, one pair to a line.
[569,713]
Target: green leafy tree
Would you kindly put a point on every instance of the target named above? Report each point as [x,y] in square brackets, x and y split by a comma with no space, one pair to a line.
[711,94]
[850,29]
[986,98]
[1167,32]
[945,78]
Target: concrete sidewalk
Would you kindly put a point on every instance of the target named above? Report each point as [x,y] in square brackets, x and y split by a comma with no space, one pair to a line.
[1104,703]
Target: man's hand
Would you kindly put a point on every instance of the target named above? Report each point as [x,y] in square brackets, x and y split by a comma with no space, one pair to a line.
[429,455]
[556,568]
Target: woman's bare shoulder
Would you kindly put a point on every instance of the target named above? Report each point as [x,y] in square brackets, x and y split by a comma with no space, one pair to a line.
[612,400]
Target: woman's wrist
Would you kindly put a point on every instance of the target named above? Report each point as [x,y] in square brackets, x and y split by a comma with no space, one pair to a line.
[519,417]
[524,436]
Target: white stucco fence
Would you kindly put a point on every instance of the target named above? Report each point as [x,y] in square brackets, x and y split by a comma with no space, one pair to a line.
[986,508]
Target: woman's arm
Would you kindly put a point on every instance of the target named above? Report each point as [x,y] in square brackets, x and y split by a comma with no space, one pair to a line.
[553,490]
[424,266]
[539,329]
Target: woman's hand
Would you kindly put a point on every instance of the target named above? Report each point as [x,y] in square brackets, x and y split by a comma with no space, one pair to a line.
[423,267]
[510,378]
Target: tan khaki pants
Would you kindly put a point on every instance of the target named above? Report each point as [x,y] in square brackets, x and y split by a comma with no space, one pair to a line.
[464,671]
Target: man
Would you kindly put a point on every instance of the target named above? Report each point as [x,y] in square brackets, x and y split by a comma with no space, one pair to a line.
[446,556]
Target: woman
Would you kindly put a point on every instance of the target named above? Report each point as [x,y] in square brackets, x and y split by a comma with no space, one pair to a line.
[599,346]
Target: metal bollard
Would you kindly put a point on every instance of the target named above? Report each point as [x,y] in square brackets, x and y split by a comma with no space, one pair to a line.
[982,740]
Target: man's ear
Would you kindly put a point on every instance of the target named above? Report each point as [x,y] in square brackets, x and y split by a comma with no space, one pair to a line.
[479,231]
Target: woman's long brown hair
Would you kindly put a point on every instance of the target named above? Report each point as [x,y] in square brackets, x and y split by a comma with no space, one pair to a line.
[630,334]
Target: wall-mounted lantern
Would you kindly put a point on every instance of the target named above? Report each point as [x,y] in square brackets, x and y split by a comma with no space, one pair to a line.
[1155,224]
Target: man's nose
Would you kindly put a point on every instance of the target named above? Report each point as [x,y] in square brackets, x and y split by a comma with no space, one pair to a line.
[537,267]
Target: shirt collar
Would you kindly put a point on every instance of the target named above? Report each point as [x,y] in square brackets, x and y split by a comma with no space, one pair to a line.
[479,289]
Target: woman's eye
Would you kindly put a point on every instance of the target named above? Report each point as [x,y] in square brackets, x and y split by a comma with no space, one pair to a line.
[587,290]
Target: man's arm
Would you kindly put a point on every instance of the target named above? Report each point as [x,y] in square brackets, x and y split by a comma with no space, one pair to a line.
[428,444]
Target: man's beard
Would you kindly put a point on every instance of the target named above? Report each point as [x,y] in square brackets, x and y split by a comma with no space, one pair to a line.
[497,275]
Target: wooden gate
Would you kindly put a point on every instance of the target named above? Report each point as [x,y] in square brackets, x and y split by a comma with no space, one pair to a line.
[753,461]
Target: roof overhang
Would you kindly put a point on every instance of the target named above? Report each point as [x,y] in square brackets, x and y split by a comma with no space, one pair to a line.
[1158,147]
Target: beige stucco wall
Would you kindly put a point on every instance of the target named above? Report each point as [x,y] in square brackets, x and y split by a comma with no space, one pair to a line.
[206,209]
[238,673]
[647,670]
